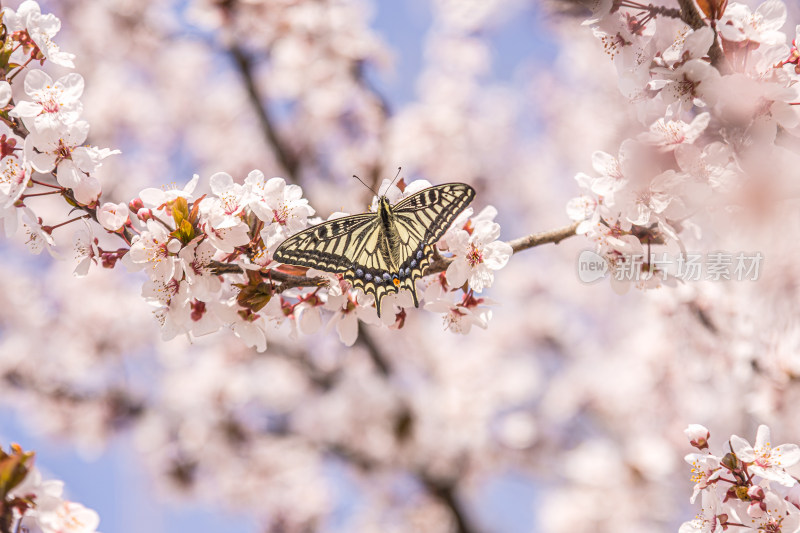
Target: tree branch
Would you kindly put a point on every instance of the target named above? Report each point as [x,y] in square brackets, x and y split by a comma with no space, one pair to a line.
[381,361]
[691,16]
[446,494]
[286,159]
[438,265]
[555,236]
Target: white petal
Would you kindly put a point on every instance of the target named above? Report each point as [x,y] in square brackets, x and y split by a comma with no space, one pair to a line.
[73,85]
[762,436]
[36,80]
[789,454]
[220,182]
[742,449]
[347,328]
[457,272]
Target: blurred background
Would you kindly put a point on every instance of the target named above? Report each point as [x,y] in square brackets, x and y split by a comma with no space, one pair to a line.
[565,414]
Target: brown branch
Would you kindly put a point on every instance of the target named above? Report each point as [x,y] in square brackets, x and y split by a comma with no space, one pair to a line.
[438,265]
[245,67]
[381,362]
[555,236]
[691,16]
[360,77]
[446,493]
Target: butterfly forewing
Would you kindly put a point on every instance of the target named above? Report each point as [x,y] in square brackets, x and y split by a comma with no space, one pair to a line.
[327,246]
[435,208]
[377,259]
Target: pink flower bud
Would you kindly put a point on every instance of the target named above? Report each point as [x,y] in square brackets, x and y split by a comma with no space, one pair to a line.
[135,205]
[755,493]
[698,436]
[144,214]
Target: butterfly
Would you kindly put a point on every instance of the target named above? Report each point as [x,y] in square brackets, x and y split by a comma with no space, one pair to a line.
[385,251]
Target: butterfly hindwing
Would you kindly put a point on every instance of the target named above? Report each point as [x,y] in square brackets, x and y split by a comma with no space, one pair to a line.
[384,252]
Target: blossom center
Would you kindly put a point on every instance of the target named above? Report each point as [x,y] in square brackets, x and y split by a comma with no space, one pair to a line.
[764,457]
[50,104]
[230,203]
[11,172]
[474,255]
[672,132]
[281,215]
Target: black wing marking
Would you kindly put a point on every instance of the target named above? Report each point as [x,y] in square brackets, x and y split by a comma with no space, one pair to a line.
[436,207]
[357,247]
[327,246]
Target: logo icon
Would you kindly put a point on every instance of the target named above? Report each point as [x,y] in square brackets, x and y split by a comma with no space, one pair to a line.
[591,267]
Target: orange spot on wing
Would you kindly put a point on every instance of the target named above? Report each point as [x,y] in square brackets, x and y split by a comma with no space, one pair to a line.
[396,282]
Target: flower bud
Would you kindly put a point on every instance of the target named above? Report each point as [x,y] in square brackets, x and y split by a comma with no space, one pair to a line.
[698,436]
[135,205]
[144,214]
[755,493]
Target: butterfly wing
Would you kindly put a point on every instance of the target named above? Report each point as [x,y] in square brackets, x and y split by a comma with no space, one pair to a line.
[434,208]
[420,220]
[378,263]
[330,246]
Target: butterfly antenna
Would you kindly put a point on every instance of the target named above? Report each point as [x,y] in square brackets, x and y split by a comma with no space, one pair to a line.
[395,176]
[365,185]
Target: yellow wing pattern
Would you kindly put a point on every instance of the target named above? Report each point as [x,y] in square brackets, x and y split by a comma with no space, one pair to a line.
[381,253]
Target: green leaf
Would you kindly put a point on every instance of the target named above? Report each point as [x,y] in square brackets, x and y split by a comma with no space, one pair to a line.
[180,210]
[184,232]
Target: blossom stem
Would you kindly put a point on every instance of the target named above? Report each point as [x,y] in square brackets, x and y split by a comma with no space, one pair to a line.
[51,228]
[20,69]
[24,196]
[43,184]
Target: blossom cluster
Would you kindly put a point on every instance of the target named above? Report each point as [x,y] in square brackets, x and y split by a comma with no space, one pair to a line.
[208,257]
[42,132]
[708,105]
[752,487]
[32,504]
[241,225]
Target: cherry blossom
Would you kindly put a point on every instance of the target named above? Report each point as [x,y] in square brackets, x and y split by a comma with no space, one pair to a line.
[52,513]
[767,461]
[669,134]
[52,103]
[86,250]
[477,255]
[41,28]
[158,198]
[348,309]
[37,237]
[281,206]
[459,317]
[761,26]
[5,93]
[113,216]
[154,250]
[75,165]
[195,259]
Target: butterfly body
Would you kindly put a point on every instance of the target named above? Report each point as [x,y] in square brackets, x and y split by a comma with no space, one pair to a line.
[382,252]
